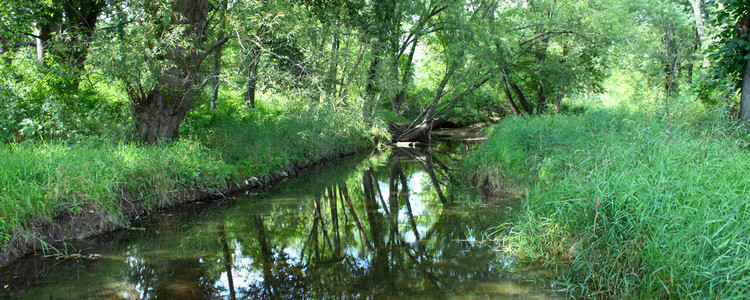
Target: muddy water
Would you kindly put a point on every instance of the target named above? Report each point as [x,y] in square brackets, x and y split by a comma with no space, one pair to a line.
[395,226]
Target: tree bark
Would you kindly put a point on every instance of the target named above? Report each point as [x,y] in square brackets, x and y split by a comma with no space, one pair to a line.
[700,27]
[217,57]
[541,57]
[745,87]
[160,115]
[509,97]
[745,93]
[333,70]
[521,98]
[160,112]
[406,78]
[77,19]
[252,78]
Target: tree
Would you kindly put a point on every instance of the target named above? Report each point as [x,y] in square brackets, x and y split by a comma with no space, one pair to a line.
[222,24]
[733,49]
[63,30]
[171,41]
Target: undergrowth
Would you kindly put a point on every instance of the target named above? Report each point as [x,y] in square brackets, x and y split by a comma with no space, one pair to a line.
[638,209]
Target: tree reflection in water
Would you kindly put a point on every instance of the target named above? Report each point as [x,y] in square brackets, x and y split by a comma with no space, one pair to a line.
[386,226]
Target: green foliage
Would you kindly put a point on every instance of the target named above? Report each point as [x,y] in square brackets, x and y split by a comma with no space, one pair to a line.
[34,105]
[731,51]
[480,106]
[271,137]
[641,211]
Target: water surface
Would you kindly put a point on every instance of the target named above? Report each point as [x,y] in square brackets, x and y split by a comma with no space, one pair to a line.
[389,226]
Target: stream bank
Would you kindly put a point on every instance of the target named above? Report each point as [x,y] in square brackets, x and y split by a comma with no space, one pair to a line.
[91,219]
[636,208]
[396,224]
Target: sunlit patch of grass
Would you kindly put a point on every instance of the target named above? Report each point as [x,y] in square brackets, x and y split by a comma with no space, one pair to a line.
[638,209]
[257,145]
[40,179]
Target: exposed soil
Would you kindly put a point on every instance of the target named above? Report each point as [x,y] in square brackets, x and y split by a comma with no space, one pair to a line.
[90,220]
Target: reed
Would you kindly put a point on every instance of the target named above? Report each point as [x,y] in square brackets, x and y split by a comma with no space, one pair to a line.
[638,210]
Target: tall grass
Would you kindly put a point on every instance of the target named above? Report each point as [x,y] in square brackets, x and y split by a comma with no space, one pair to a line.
[40,179]
[639,210]
[261,142]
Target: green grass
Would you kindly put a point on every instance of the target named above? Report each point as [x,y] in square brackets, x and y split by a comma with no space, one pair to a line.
[636,209]
[41,179]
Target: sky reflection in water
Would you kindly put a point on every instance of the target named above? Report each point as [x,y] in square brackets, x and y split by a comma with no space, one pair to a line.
[348,230]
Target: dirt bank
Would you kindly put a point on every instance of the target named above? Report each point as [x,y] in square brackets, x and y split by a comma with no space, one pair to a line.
[90,220]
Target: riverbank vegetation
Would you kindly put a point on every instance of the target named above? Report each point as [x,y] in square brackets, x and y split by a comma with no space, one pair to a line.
[639,190]
[622,114]
[638,209]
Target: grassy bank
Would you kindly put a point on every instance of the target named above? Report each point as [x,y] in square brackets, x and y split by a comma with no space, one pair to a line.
[42,179]
[637,210]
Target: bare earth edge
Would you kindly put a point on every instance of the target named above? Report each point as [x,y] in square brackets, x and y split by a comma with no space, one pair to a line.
[92,220]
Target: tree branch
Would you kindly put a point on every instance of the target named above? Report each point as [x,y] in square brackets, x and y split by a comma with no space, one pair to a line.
[213,48]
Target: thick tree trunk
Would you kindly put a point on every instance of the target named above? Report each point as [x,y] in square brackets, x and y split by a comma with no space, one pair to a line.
[159,116]
[160,112]
[217,81]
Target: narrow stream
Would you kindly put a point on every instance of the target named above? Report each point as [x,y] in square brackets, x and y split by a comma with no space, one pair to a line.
[395,226]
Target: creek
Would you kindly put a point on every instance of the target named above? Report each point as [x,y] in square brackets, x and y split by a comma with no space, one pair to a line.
[396,225]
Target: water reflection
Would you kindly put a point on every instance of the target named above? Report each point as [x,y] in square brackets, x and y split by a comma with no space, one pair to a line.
[387,226]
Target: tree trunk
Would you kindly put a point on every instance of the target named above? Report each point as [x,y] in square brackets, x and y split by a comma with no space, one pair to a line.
[541,57]
[521,98]
[745,93]
[252,79]
[406,78]
[160,112]
[160,116]
[368,106]
[700,27]
[509,97]
[5,46]
[333,70]
[217,57]
[560,95]
[217,81]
